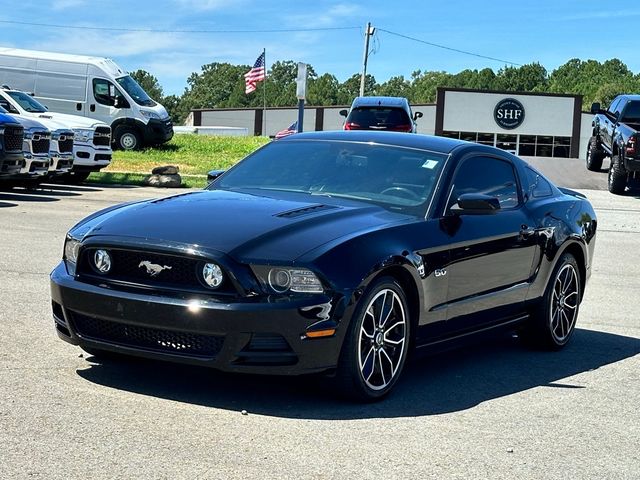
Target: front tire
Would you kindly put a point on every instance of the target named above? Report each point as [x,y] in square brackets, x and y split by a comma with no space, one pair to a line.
[128,138]
[594,155]
[552,323]
[617,180]
[377,343]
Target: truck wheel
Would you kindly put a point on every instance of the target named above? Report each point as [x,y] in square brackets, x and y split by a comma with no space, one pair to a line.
[128,138]
[617,176]
[594,155]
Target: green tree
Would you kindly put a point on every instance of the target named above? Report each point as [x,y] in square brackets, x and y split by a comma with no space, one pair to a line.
[350,88]
[526,78]
[323,90]
[396,87]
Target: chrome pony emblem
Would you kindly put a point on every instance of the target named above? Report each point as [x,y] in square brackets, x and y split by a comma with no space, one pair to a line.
[153,269]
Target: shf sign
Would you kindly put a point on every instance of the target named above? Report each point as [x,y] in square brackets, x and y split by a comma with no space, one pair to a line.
[509,113]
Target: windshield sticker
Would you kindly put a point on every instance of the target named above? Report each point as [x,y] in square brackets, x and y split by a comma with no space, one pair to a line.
[430,164]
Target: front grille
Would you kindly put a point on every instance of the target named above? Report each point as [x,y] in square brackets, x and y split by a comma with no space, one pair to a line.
[13,137]
[136,267]
[65,143]
[147,338]
[40,143]
[102,136]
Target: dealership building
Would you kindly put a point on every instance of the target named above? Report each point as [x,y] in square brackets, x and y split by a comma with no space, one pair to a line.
[528,124]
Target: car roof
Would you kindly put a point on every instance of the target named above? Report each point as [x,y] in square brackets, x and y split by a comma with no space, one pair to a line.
[379,102]
[424,142]
[634,97]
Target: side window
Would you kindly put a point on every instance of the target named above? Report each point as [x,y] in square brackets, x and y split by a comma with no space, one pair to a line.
[487,175]
[538,185]
[8,107]
[105,92]
[619,105]
[613,105]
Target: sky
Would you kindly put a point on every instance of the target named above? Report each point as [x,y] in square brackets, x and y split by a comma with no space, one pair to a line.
[327,34]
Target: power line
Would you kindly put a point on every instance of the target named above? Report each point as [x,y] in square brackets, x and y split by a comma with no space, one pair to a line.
[153,30]
[448,48]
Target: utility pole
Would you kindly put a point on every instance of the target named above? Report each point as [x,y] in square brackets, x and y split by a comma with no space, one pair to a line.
[368,33]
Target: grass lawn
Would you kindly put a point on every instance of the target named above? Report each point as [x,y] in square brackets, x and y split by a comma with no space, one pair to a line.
[195,155]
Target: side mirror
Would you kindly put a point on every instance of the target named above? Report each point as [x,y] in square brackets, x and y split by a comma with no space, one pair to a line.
[417,115]
[595,108]
[344,113]
[213,174]
[475,204]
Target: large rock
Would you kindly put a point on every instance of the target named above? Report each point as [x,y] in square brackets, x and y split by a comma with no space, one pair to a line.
[165,170]
[163,181]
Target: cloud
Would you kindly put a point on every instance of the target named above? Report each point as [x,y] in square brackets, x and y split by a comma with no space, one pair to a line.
[601,15]
[204,5]
[64,4]
[334,16]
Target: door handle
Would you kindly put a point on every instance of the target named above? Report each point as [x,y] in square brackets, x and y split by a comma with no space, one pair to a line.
[92,107]
[527,231]
[78,106]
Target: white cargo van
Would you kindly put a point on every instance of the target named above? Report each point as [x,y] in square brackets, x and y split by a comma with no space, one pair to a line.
[94,87]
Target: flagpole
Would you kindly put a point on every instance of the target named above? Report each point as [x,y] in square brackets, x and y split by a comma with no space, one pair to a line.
[264,93]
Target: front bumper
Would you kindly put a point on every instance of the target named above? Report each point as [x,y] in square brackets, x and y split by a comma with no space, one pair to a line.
[60,164]
[35,166]
[157,131]
[86,157]
[248,335]
[632,164]
[11,163]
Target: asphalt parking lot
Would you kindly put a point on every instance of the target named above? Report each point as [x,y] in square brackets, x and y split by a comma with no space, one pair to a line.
[494,410]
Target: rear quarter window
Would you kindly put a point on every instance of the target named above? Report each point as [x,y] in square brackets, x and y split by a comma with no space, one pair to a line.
[539,187]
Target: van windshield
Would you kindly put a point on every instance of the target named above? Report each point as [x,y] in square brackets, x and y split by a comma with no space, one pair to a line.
[27,102]
[135,91]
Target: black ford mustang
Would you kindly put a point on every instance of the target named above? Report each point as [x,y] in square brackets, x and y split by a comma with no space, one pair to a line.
[331,252]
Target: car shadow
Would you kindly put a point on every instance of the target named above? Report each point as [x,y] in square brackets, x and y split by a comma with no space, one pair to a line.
[449,382]
[24,196]
[7,204]
[69,188]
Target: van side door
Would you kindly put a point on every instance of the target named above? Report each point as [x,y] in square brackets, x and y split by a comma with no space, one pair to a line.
[106,101]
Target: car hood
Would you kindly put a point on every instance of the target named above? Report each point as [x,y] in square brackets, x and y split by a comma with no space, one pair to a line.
[247,227]
[70,121]
[28,123]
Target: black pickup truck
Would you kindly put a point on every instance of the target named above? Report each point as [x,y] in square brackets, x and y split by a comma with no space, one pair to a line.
[615,134]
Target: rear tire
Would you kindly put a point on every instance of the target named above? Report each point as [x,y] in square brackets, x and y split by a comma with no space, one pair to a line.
[553,321]
[376,346]
[617,180]
[594,155]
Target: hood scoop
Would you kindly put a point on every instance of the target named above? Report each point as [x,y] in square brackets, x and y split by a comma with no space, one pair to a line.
[298,212]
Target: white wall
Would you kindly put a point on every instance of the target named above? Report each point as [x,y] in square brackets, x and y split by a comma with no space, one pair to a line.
[585,133]
[229,118]
[473,112]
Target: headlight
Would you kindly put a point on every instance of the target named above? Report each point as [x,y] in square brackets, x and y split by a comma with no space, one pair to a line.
[71,248]
[82,134]
[212,275]
[287,280]
[149,114]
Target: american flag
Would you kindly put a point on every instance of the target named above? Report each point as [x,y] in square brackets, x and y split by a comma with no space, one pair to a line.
[290,130]
[255,75]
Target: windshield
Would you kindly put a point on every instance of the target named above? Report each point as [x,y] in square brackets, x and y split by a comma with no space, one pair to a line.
[135,91]
[27,102]
[397,178]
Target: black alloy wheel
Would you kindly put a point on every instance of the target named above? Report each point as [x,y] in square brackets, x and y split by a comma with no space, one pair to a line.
[594,155]
[376,346]
[553,322]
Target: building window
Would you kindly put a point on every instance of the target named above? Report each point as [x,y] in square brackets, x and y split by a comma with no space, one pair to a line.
[469,136]
[449,134]
[508,142]
[486,139]
[561,146]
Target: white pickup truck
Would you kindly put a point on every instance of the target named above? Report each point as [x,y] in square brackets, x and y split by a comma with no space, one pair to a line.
[92,138]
